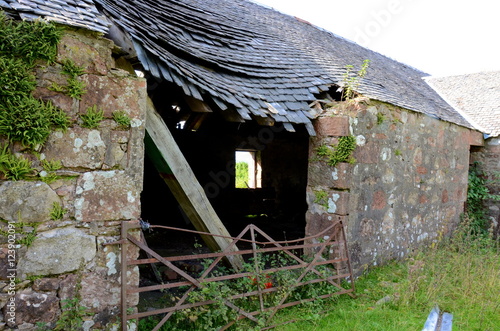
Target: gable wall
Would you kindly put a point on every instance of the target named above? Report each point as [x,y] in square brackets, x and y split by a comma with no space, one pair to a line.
[406,188]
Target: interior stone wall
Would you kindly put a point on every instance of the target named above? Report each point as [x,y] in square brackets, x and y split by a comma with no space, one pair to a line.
[98,185]
[406,187]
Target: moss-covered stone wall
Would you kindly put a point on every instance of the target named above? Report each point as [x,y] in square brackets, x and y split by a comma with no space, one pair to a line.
[59,225]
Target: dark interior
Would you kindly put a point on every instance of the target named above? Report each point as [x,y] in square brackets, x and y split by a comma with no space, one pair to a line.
[209,142]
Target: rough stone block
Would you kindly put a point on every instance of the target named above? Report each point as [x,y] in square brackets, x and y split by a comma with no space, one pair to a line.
[338,202]
[57,251]
[46,284]
[94,55]
[316,223]
[78,147]
[98,291]
[115,93]
[107,195]
[67,286]
[321,174]
[32,307]
[22,201]
[369,153]
[336,126]
[379,200]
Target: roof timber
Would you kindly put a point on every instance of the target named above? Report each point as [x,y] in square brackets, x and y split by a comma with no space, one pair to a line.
[177,174]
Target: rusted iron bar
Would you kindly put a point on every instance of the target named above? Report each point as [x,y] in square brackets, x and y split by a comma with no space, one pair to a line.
[335,239]
[239,296]
[162,260]
[227,277]
[126,226]
[156,272]
[346,252]
[338,227]
[242,252]
[304,273]
[246,240]
[123,249]
[256,266]
[194,281]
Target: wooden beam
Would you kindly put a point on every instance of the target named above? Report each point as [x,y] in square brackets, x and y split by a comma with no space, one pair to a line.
[178,175]
[194,121]
[264,121]
[196,105]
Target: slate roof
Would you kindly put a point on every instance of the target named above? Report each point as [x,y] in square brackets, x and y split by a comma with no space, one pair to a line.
[259,61]
[78,13]
[476,95]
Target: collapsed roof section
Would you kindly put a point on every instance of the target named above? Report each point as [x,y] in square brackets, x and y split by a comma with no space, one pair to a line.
[247,58]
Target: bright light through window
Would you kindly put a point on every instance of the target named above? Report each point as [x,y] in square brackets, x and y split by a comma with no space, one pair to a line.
[248,169]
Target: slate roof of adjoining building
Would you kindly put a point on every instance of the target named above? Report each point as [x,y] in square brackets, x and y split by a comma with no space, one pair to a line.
[476,95]
[78,13]
[261,62]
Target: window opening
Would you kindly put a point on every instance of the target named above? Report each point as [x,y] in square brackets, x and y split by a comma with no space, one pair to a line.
[248,169]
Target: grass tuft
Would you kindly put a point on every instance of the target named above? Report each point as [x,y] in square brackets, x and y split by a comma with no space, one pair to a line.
[461,277]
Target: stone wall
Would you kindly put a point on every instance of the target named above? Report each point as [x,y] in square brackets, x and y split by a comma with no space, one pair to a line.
[488,158]
[406,187]
[99,186]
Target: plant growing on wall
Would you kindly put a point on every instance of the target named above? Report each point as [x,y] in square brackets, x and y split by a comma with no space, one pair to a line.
[477,194]
[57,211]
[121,118]
[26,232]
[72,314]
[351,81]
[15,78]
[92,117]
[341,152]
[380,118]
[30,120]
[321,198]
[12,166]
[75,88]
[48,174]
[22,117]
[28,40]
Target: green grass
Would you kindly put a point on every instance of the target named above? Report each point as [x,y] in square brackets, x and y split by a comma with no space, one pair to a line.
[462,278]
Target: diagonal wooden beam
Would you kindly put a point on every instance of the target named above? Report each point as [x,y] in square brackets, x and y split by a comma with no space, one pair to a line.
[176,172]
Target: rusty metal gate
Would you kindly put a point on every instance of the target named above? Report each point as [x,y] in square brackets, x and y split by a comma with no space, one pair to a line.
[319,259]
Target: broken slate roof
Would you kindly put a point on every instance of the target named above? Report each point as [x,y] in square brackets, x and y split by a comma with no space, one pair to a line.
[77,13]
[476,95]
[258,61]
[262,62]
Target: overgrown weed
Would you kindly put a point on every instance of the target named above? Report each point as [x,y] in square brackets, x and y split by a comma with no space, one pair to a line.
[461,275]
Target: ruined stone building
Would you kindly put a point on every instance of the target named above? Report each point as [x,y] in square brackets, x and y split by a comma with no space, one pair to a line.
[225,76]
